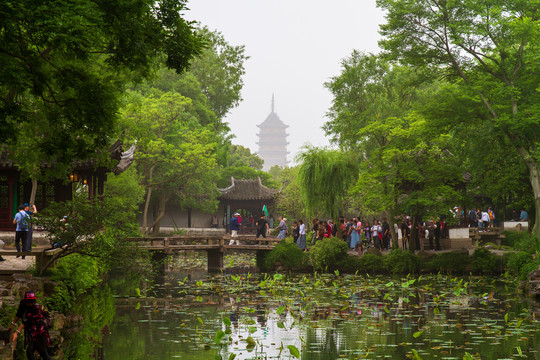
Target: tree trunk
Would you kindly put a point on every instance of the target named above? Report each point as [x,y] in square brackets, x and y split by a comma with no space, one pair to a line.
[534,175]
[163,199]
[32,200]
[534,178]
[147,202]
[390,218]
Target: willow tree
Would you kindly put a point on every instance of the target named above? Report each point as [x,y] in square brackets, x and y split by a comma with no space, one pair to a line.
[324,177]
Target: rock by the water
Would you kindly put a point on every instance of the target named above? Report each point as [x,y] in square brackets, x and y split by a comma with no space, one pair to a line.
[534,283]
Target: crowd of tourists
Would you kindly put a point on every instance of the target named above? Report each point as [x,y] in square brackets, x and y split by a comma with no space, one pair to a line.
[361,235]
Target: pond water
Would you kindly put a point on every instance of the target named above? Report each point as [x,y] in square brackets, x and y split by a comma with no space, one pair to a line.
[325,316]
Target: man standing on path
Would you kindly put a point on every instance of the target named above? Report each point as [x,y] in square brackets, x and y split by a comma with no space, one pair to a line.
[30,225]
[22,220]
[282,227]
[262,227]
[235,225]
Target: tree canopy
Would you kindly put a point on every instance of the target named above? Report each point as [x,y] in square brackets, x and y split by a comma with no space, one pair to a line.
[324,177]
[489,48]
[65,63]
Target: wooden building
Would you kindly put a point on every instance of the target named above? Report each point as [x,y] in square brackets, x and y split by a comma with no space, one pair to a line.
[15,190]
[247,195]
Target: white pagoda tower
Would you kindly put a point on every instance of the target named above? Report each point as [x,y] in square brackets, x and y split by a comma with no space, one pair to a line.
[273,141]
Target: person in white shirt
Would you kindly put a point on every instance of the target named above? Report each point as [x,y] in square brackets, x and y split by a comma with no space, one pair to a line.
[485,219]
[301,235]
[375,230]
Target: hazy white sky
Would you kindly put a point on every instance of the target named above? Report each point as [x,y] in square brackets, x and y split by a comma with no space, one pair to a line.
[294,47]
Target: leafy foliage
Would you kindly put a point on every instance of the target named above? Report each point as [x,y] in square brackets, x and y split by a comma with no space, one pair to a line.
[372,263]
[287,255]
[450,262]
[402,262]
[89,227]
[327,253]
[241,156]
[520,264]
[324,176]
[484,262]
[175,156]
[68,79]
[490,51]
[289,202]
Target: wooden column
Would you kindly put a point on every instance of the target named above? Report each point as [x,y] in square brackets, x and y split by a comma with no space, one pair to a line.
[215,261]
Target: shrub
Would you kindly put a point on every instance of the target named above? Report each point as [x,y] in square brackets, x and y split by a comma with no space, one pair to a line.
[402,262]
[520,264]
[287,254]
[451,262]
[327,254]
[75,274]
[520,240]
[372,263]
[484,262]
[349,264]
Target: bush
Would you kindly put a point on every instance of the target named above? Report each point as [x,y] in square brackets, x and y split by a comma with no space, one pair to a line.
[402,262]
[372,263]
[520,264]
[484,262]
[74,274]
[451,262]
[350,264]
[327,253]
[287,254]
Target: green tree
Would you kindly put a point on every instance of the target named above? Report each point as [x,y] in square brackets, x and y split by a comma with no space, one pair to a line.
[289,202]
[242,156]
[406,165]
[175,157]
[89,228]
[219,70]
[490,48]
[66,62]
[324,176]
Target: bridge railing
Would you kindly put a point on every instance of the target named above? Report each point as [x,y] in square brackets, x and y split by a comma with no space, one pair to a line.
[202,242]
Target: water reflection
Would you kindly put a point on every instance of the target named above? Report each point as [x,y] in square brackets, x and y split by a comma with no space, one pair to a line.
[325,317]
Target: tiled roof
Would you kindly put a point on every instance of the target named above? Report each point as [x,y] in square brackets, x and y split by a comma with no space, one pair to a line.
[247,190]
[115,152]
[272,121]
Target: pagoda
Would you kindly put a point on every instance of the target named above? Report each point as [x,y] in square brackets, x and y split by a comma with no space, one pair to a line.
[273,141]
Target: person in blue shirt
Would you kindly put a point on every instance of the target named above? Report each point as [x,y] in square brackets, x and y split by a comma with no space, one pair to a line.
[22,219]
[30,227]
[234,225]
[523,216]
